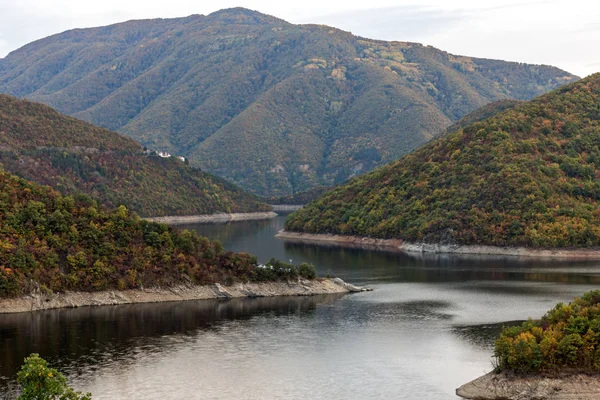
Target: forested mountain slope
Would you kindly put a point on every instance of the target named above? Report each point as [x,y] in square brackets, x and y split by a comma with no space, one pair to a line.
[529,176]
[71,243]
[487,111]
[44,146]
[275,107]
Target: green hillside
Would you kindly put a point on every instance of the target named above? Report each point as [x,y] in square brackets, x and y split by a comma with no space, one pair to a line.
[41,145]
[529,176]
[71,243]
[274,107]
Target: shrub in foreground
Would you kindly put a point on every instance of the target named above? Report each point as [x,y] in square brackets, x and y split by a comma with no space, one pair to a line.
[40,382]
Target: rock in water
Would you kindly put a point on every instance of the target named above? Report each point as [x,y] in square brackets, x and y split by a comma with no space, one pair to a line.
[350,287]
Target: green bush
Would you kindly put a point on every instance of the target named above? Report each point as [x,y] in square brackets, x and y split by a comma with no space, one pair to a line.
[307,271]
[39,382]
[279,270]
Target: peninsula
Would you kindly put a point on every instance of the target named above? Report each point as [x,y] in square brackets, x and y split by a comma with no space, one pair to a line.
[523,182]
[63,251]
[555,358]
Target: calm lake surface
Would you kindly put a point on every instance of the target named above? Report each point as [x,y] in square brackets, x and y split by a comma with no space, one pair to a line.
[427,328]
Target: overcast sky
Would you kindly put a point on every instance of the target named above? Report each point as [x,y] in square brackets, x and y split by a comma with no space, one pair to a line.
[564,33]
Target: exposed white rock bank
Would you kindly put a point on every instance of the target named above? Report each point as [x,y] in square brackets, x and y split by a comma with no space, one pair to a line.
[300,287]
[212,218]
[407,247]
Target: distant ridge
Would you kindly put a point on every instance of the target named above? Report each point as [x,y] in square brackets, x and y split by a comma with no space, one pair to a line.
[274,107]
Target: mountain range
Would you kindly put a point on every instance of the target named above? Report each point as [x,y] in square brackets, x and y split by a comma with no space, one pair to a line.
[275,107]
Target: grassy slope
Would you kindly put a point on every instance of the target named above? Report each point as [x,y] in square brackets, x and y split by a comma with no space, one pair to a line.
[277,108]
[527,176]
[39,144]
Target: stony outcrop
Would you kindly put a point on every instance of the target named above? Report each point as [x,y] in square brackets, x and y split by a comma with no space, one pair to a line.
[508,386]
[350,287]
[301,287]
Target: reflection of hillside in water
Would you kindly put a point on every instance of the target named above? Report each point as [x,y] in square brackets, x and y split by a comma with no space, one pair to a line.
[227,232]
[482,336]
[416,267]
[71,339]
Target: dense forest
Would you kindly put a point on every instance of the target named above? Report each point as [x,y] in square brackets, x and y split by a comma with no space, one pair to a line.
[58,243]
[528,176]
[274,107]
[42,145]
[485,112]
[566,338]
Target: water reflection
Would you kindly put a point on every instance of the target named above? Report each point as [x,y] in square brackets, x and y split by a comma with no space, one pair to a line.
[482,336]
[425,309]
[367,266]
[228,232]
[409,267]
[84,339]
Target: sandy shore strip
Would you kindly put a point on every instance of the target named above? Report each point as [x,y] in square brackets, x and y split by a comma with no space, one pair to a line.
[407,247]
[212,218]
[301,287]
[507,386]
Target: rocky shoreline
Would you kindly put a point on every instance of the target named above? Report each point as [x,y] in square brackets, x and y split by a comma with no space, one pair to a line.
[301,287]
[508,386]
[212,218]
[407,247]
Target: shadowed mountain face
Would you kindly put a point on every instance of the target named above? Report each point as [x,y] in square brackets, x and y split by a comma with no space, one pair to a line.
[42,145]
[527,176]
[275,107]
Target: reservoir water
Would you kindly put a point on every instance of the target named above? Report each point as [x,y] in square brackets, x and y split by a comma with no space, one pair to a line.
[427,328]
